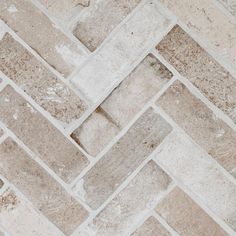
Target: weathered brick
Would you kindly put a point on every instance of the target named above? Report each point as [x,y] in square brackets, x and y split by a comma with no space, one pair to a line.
[41,34]
[40,188]
[230,5]
[19,218]
[45,88]
[65,10]
[122,105]
[97,21]
[199,122]
[106,68]
[186,217]
[62,156]
[151,227]
[193,62]
[208,22]
[96,132]
[129,206]
[200,174]
[123,158]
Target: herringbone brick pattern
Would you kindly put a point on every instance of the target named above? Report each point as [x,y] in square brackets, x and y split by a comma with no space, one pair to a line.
[117,117]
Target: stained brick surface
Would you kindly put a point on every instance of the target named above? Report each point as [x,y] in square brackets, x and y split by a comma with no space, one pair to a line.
[117,118]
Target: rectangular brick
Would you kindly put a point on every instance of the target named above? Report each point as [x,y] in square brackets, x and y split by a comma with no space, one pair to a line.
[130,205]
[208,22]
[98,20]
[45,88]
[197,171]
[107,67]
[62,156]
[41,34]
[19,218]
[151,227]
[122,105]
[230,5]
[186,217]
[199,122]
[193,62]
[123,158]
[40,188]
[65,10]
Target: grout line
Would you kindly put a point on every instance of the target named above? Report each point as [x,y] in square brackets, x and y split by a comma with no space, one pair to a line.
[197,200]
[124,130]
[164,223]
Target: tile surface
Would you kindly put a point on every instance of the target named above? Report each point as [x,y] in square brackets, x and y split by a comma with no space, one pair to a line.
[119,117]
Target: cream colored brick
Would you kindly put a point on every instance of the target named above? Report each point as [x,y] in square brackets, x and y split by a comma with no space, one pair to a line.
[41,34]
[40,188]
[129,206]
[47,142]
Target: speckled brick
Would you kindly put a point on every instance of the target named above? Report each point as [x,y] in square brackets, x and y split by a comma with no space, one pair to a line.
[151,227]
[130,205]
[41,34]
[45,88]
[62,156]
[186,217]
[40,188]
[193,62]
[198,121]
[100,18]
[123,158]
[122,105]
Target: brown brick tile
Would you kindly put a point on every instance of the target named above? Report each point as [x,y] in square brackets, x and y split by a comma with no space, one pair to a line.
[41,189]
[186,217]
[40,135]
[193,62]
[122,105]
[41,34]
[198,121]
[100,19]
[130,204]
[124,157]
[151,227]
[45,88]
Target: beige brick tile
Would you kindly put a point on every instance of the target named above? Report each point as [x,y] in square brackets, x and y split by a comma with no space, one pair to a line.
[200,174]
[40,135]
[123,158]
[186,217]
[19,218]
[40,188]
[129,206]
[193,62]
[64,10]
[230,5]
[151,227]
[210,23]
[41,34]
[198,121]
[97,21]
[122,105]
[45,88]
[96,132]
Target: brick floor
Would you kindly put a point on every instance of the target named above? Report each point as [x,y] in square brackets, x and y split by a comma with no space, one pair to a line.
[117,117]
